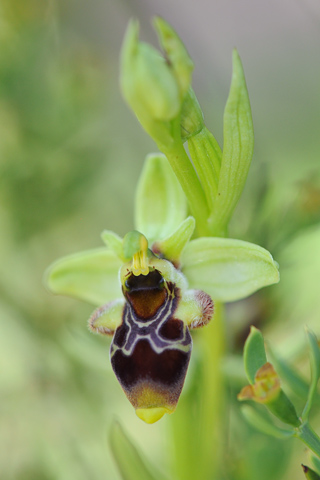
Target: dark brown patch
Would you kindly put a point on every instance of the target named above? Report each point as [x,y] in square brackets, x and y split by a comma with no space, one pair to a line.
[120,335]
[172,329]
[167,368]
[146,293]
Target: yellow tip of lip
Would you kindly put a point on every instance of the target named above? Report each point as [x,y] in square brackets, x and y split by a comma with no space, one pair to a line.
[152,415]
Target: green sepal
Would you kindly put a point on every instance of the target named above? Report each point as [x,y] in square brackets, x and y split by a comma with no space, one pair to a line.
[264,424]
[254,354]
[91,276]
[237,150]
[114,242]
[310,474]
[130,462]
[171,247]
[160,204]
[228,269]
[315,372]
[179,59]
[283,409]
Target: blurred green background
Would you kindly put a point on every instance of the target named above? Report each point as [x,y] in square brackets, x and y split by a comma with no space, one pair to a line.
[70,157]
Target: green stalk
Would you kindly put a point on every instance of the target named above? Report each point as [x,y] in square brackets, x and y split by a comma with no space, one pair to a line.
[188,179]
[211,414]
[309,437]
[197,424]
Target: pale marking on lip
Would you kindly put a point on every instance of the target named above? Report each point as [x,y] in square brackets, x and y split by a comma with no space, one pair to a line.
[151,328]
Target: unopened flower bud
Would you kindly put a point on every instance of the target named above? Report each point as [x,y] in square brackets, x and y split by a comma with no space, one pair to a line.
[176,53]
[148,83]
[266,387]
[267,390]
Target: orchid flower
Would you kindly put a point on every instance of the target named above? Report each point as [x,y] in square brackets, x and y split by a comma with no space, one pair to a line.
[155,285]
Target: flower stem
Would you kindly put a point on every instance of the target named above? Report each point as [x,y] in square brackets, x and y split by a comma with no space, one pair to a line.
[189,181]
[197,423]
[309,437]
[212,397]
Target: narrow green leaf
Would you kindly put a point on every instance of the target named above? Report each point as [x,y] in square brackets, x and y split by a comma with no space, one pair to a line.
[310,474]
[160,205]
[283,409]
[130,462]
[289,375]
[263,424]
[315,372]
[315,463]
[237,149]
[91,276]
[308,436]
[254,354]
[228,269]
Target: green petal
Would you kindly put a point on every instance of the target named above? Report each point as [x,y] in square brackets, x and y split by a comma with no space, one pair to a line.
[172,246]
[107,318]
[160,202]
[114,242]
[228,269]
[91,276]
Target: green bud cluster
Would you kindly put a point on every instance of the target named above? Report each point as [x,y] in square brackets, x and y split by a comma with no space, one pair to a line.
[158,89]
[155,86]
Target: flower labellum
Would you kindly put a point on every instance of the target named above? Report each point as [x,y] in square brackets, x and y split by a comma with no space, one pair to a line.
[151,345]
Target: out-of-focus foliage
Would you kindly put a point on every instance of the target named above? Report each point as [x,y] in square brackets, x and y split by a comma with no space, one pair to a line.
[49,104]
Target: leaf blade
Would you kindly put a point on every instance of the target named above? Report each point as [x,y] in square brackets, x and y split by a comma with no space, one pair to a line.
[315,372]
[259,422]
[254,354]
[130,462]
